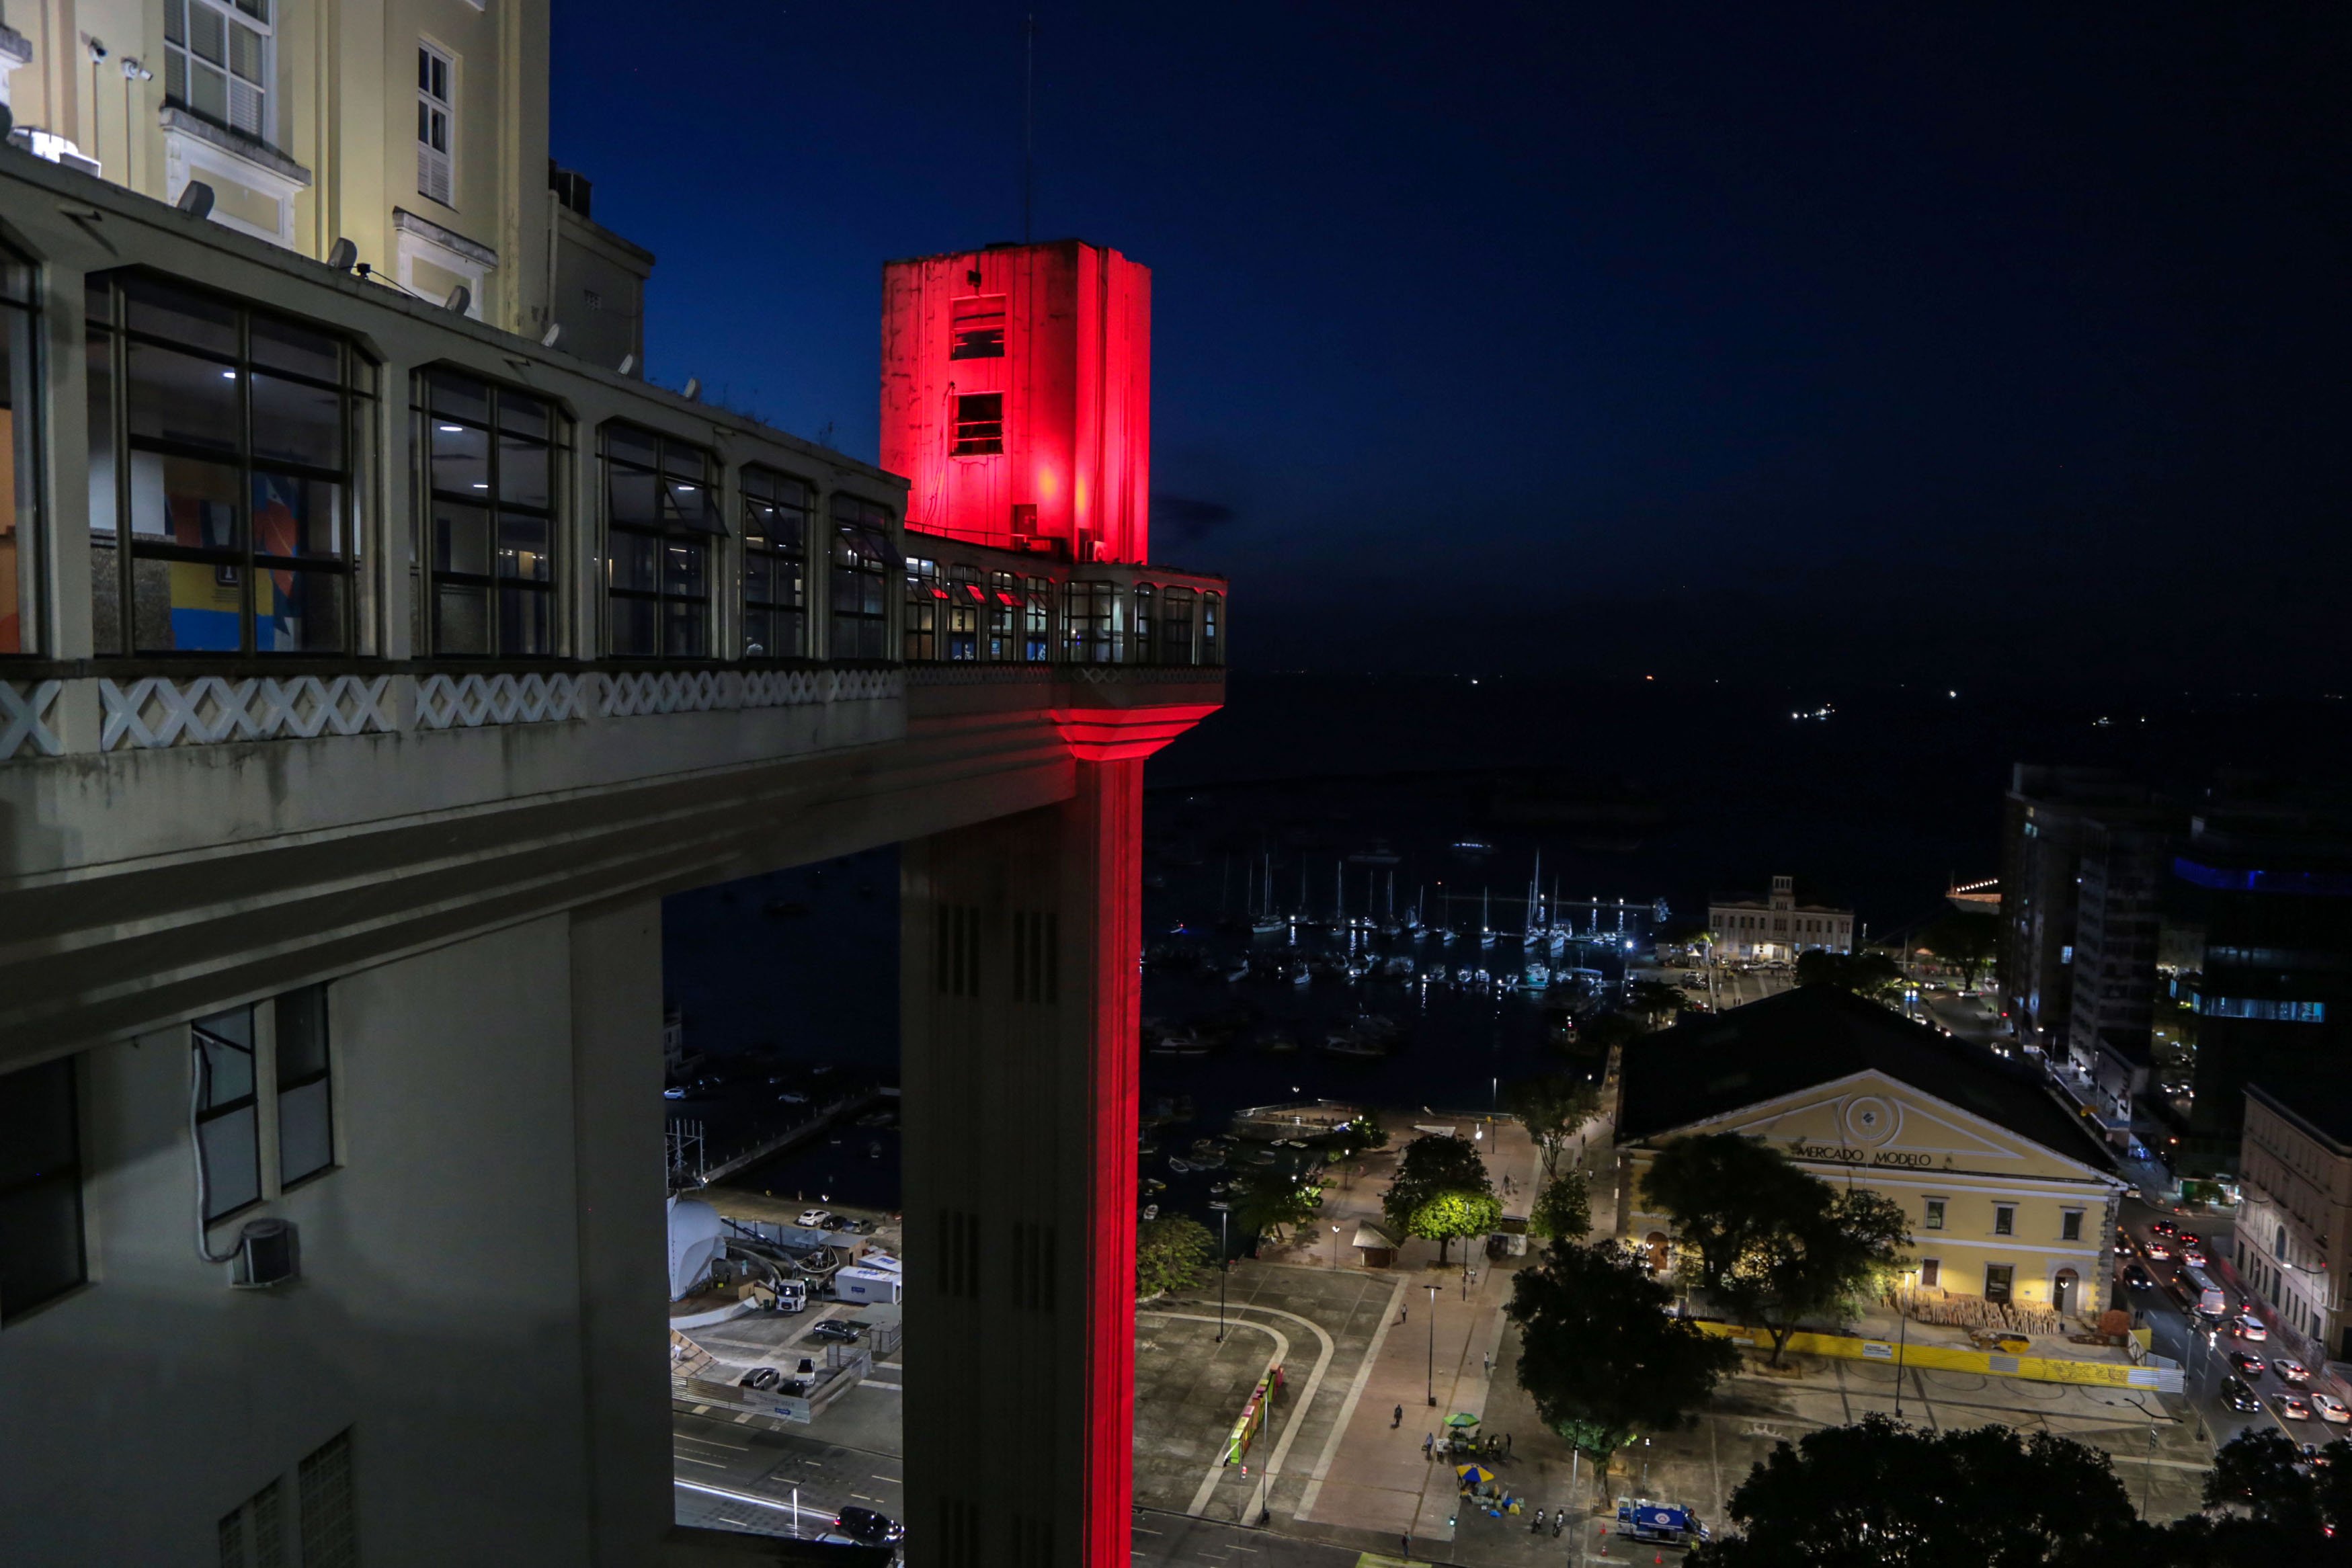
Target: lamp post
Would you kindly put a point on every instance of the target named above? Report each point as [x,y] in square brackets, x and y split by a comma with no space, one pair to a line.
[1903,1344]
[1334,1246]
[1222,1213]
[1433,1346]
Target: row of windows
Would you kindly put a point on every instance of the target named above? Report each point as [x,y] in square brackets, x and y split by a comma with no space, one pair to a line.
[2004,1220]
[263,1115]
[967,615]
[230,463]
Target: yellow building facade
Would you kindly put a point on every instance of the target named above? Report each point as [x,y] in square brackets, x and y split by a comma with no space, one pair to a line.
[418,130]
[2007,1200]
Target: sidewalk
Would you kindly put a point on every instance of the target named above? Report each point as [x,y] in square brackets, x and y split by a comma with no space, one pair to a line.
[1378,1482]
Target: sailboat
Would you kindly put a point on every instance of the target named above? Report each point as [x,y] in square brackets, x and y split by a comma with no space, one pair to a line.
[1485,931]
[1266,921]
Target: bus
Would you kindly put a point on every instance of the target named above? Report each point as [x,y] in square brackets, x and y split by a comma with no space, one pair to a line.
[2206,1295]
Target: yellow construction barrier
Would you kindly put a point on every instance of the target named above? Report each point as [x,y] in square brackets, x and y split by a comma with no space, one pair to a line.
[1949,1358]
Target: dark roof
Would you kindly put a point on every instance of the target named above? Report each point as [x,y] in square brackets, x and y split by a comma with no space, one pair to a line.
[1715,1063]
[2318,1097]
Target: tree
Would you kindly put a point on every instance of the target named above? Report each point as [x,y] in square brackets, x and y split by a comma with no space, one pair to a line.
[1441,1191]
[1553,1107]
[1601,1355]
[1883,1494]
[1268,1200]
[2266,1505]
[1653,1000]
[1350,1138]
[1725,1193]
[1967,942]
[1826,1252]
[1563,1210]
[1863,974]
[1171,1252]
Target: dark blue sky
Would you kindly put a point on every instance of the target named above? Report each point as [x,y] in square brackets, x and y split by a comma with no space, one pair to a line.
[1846,340]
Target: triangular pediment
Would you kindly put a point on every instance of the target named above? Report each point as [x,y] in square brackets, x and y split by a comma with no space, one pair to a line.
[1871,1119]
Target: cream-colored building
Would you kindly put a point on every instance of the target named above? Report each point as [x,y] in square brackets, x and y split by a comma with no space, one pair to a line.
[416,129]
[2010,1198]
[1776,927]
[2295,1232]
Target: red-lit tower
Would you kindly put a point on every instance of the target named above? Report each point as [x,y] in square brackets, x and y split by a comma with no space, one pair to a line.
[1017,397]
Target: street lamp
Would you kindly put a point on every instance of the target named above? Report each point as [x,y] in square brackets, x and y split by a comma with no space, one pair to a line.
[1433,1346]
[1222,1260]
[1334,1246]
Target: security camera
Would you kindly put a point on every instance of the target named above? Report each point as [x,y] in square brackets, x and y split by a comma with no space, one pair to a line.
[133,72]
[97,49]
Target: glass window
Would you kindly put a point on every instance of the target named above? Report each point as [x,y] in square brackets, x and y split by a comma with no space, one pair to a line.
[1999,1279]
[776,512]
[1037,620]
[964,599]
[2069,1225]
[924,595]
[1147,624]
[976,327]
[228,1127]
[41,1253]
[1212,617]
[978,425]
[661,515]
[490,466]
[1093,613]
[1935,1218]
[433,108]
[305,1125]
[863,559]
[2004,1220]
[216,61]
[19,398]
[226,469]
[1003,615]
[1176,625]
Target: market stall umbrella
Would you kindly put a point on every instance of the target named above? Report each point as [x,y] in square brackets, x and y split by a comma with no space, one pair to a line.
[1461,1419]
[1474,1476]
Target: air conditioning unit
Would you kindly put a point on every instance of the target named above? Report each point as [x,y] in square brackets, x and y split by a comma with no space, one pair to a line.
[266,1255]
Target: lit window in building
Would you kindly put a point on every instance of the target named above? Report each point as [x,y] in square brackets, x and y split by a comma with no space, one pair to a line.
[1037,621]
[1176,625]
[19,615]
[978,425]
[2004,1220]
[491,467]
[862,560]
[216,61]
[976,327]
[1935,1218]
[661,518]
[1147,624]
[777,509]
[41,1252]
[234,445]
[1212,620]
[1001,614]
[1093,610]
[964,597]
[921,627]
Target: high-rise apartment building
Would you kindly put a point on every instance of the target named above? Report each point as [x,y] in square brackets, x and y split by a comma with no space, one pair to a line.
[2083,856]
[416,129]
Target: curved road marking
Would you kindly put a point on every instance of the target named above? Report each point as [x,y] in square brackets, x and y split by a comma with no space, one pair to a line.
[1306,1500]
[1281,1353]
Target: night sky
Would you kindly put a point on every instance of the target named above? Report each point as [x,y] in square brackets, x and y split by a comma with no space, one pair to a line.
[1770,341]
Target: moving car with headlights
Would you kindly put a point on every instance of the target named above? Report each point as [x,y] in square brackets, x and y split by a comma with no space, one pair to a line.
[2291,1406]
[2292,1371]
[2250,1327]
[2237,1395]
[2248,1363]
[2331,1409]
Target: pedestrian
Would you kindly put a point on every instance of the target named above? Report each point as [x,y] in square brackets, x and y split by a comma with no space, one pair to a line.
[1398,1419]
[1536,1527]
[1507,1444]
[1489,1360]
[1558,1518]
[1408,1546]
[1427,1443]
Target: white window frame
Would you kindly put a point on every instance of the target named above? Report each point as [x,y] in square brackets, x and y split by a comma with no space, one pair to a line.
[231,16]
[431,159]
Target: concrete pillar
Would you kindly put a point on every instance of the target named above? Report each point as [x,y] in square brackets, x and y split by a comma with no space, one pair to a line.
[616,1064]
[1019,943]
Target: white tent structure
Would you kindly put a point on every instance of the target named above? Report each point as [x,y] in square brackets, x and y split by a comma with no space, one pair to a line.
[695,1243]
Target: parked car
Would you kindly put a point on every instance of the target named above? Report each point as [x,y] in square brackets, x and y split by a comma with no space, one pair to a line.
[2237,1395]
[2331,1409]
[834,1329]
[868,1528]
[2291,1406]
[759,1377]
[2250,1327]
[2290,1370]
[2137,1278]
[816,1220]
[2247,1362]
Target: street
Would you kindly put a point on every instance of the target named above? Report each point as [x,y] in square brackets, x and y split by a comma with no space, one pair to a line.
[731,1475]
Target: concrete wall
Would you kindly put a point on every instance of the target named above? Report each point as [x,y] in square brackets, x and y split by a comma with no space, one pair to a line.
[474,1251]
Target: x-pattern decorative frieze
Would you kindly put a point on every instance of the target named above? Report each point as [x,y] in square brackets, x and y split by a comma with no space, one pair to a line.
[154,712]
[469,702]
[25,711]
